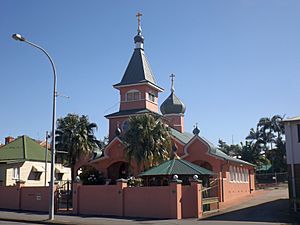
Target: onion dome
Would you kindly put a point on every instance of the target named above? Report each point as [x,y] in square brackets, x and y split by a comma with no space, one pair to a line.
[196,130]
[139,38]
[172,105]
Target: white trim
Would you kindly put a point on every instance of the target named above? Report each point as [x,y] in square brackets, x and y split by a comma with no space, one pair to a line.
[106,156]
[196,137]
[138,84]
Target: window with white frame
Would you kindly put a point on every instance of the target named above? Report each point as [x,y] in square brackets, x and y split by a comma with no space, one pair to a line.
[231,173]
[133,95]
[151,96]
[16,173]
[245,175]
[234,174]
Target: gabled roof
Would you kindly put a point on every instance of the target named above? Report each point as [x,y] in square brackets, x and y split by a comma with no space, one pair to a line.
[178,167]
[23,149]
[130,112]
[292,119]
[213,150]
[138,71]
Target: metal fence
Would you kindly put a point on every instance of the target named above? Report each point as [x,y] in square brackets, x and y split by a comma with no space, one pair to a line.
[270,179]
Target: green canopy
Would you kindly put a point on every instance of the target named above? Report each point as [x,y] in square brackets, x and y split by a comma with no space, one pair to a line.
[178,167]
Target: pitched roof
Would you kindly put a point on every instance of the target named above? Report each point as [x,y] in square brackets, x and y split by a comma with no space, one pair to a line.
[130,112]
[178,167]
[186,137]
[22,149]
[138,70]
[296,118]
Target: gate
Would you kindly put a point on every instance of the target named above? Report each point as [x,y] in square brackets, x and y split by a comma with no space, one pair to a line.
[64,196]
[210,196]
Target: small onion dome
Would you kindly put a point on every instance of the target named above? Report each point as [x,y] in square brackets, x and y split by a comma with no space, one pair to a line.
[172,105]
[174,147]
[139,38]
[196,131]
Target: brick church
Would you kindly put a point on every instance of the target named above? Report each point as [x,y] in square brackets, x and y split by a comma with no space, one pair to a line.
[139,92]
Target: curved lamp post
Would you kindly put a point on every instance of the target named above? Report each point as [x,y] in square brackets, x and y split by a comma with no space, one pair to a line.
[19,37]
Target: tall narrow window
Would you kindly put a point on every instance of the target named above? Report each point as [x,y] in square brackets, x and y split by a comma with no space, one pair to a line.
[298,129]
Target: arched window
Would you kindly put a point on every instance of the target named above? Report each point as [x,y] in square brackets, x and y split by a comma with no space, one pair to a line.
[231,173]
[133,95]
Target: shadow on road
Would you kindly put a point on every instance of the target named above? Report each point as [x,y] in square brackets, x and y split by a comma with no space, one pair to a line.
[274,211]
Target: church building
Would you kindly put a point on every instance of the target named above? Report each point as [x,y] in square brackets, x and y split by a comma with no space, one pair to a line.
[139,93]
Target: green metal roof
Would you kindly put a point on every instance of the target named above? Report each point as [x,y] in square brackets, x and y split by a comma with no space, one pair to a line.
[23,149]
[178,167]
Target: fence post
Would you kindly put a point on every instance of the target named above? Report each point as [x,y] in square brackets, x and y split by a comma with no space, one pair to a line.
[197,188]
[19,185]
[75,197]
[175,199]
[121,184]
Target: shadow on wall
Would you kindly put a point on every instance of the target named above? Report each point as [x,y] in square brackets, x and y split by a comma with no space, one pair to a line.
[274,211]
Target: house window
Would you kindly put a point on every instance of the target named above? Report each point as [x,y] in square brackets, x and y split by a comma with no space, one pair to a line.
[133,95]
[59,176]
[37,175]
[298,129]
[151,96]
[16,173]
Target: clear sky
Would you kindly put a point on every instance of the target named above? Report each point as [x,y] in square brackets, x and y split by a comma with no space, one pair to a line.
[235,61]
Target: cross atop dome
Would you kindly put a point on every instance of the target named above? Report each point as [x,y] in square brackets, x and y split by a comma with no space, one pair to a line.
[138,15]
[172,82]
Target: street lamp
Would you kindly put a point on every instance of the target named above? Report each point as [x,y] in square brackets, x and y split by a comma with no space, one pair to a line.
[19,37]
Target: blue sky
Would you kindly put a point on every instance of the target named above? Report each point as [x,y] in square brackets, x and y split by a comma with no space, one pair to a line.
[235,61]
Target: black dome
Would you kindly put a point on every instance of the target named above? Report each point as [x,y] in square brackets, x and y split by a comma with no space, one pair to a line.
[172,105]
[139,38]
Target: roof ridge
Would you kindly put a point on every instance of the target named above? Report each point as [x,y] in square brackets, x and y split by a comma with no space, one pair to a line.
[24,146]
[171,166]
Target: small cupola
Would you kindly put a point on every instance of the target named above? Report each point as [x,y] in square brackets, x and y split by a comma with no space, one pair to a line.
[139,38]
[172,105]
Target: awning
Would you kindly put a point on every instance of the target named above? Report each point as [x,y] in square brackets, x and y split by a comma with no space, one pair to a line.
[61,170]
[37,168]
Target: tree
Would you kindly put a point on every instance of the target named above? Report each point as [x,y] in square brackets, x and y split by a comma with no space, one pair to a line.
[75,135]
[147,141]
[231,150]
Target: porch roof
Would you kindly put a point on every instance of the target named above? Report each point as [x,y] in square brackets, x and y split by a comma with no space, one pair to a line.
[178,167]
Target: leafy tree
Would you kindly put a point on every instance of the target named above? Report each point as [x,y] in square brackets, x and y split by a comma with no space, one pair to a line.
[231,150]
[91,176]
[147,141]
[75,135]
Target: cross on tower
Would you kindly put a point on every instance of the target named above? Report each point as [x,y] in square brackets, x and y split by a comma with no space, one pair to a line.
[138,15]
[172,82]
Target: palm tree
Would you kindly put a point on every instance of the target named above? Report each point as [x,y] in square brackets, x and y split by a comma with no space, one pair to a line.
[147,141]
[75,135]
